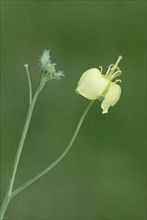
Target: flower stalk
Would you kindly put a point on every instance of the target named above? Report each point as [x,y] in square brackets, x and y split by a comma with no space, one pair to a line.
[8,195]
[29,182]
[48,72]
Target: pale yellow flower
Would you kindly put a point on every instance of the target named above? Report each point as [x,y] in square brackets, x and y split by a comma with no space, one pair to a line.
[94,85]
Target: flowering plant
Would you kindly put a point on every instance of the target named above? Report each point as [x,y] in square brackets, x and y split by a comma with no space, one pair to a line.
[92,85]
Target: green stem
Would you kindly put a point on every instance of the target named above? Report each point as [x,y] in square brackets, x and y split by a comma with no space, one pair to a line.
[22,140]
[10,194]
[29,182]
[18,154]
[4,206]
[29,82]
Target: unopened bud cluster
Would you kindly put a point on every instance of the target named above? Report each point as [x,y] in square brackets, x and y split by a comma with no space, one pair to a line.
[48,68]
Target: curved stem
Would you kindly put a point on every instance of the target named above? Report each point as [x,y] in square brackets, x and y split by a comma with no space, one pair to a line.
[8,195]
[29,82]
[29,182]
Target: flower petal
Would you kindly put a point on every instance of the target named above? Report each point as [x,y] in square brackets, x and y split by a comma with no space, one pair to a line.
[91,84]
[111,97]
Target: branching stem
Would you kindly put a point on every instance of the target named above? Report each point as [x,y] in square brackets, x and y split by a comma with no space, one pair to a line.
[32,180]
[10,193]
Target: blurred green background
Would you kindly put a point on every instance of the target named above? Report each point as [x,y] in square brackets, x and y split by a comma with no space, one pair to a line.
[103,175]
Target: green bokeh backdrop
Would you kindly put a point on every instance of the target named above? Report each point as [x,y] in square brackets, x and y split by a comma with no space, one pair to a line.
[103,176]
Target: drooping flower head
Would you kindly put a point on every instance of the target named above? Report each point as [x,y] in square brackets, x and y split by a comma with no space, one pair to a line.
[94,85]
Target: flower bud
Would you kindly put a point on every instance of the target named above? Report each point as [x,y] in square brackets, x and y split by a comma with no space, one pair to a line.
[45,58]
[48,69]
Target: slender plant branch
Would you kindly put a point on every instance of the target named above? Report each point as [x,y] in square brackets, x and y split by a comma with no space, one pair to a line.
[48,72]
[22,140]
[4,206]
[10,194]
[32,180]
[18,154]
[29,82]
